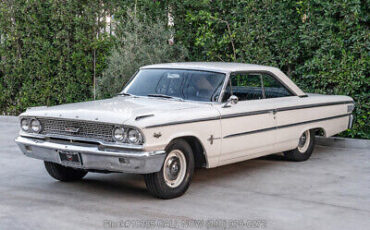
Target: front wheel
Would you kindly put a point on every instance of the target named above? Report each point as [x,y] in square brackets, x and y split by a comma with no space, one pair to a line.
[174,178]
[305,147]
[63,173]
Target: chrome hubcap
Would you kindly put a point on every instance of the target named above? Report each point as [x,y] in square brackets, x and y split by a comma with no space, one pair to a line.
[304,142]
[174,168]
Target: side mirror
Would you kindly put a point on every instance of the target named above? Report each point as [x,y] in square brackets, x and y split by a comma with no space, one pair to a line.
[233,100]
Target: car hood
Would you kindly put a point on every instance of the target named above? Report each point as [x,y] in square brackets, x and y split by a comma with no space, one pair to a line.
[115,110]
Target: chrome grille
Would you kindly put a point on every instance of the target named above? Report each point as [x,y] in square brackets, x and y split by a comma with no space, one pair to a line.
[74,128]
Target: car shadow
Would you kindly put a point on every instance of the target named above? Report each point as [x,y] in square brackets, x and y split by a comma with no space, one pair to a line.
[273,157]
[112,185]
[240,168]
[132,185]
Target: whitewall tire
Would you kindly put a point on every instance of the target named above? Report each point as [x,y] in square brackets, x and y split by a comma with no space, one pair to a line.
[305,147]
[177,170]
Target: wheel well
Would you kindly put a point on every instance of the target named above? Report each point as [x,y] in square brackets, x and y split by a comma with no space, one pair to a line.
[198,150]
[320,132]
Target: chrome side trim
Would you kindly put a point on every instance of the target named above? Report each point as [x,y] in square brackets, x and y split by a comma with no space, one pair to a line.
[184,122]
[252,113]
[284,126]
[312,105]
[245,114]
[284,109]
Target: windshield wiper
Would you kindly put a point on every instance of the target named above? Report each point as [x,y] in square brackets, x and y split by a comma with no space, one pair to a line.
[164,96]
[124,94]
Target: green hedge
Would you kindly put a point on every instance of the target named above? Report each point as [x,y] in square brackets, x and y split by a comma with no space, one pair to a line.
[47,48]
[322,45]
[47,52]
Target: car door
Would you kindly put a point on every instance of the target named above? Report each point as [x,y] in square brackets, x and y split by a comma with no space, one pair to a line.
[281,96]
[248,127]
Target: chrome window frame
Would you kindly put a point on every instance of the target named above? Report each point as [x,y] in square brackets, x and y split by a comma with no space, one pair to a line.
[257,72]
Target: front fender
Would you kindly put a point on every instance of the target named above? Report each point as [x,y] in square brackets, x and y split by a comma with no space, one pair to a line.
[207,132]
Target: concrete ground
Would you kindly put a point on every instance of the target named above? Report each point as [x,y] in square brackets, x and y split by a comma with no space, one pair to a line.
[330,191]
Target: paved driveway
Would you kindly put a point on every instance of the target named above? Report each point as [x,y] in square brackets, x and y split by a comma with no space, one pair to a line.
[330,191]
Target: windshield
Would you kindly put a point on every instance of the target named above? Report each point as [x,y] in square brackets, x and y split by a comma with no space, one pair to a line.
[173,83]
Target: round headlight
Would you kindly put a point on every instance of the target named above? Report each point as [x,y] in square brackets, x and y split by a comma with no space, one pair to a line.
[119,134]
[25,124]
[134,136]
[35,126]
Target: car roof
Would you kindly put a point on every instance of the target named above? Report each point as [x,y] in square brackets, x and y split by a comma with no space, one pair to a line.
[223,67]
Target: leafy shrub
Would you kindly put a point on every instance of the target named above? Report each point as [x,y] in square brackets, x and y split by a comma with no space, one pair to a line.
[323,45]
[336,40]
[47,52]
[47,48]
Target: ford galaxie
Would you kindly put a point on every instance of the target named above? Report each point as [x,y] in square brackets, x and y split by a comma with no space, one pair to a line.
[172,118]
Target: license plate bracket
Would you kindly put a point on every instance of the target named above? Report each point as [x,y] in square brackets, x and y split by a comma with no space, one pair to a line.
[70,158]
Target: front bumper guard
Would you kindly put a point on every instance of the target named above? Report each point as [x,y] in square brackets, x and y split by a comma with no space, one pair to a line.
[93,157]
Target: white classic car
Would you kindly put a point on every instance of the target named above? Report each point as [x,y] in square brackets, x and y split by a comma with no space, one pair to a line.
[171,118]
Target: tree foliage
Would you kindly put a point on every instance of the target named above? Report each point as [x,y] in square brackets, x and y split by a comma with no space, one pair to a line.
[139,42]
[47,51]
[47,48]
[323,45]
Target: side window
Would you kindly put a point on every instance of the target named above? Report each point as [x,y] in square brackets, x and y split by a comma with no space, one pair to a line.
[273,88]
[245,86]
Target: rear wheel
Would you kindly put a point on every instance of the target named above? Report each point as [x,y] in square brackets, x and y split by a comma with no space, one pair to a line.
[63,173]
[305,147]
[174,178]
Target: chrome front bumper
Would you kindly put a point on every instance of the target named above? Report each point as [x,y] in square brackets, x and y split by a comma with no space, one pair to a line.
[94,157]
